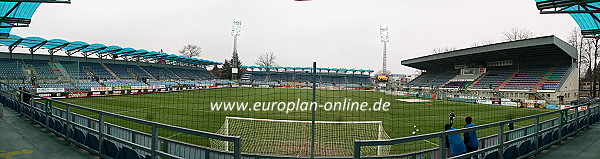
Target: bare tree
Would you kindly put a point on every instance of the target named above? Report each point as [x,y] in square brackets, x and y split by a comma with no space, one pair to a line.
[517,33]
[190,50]
[443,49]
[483,42]
[266,59]
[587,49]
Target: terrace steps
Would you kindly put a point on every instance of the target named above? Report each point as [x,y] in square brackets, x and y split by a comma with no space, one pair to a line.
[508,79]
[545,78]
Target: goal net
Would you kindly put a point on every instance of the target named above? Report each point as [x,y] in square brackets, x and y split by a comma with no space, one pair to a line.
[290,137]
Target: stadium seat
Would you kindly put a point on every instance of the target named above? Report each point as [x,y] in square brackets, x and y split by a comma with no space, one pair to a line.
[42,118]
[79,136]
[565,130]
[91,141]
[71,133]
[547,139]
[56,126]
[540,142]
[571,128]
[110,149]
[525,148]
[51,123]
[493,155]
[127,153]
[555,135]
[511,153]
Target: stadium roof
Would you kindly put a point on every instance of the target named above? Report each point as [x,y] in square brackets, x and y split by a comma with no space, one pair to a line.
[541,50]
[54,45]
[306,68]
[18,13]
[584,12]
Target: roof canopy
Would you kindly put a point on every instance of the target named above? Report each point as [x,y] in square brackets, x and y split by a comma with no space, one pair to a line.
[306,68]
[35,43]
[584,12]
[541,50]
[18,13]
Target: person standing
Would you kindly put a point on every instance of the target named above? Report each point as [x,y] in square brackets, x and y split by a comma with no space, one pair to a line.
[451,116]
[471,140]
[454,142]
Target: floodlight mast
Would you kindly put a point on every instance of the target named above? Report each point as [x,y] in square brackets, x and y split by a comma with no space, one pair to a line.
[235,32]
[385,38]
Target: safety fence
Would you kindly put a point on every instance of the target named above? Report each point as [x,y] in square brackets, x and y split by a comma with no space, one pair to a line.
[519,143]
[109,140]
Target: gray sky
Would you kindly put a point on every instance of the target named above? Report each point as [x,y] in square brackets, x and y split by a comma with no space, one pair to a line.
[335,33]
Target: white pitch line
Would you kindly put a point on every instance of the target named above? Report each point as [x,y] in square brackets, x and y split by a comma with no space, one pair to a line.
[431,143]
[137,109]
[174,135]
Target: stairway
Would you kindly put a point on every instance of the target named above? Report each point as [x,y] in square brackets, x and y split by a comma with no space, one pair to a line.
[148,73]
[173,73]
[110,71]
[60,71]
[544,79]
[508,79]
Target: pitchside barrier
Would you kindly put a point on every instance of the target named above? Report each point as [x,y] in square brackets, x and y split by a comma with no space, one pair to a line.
[92,134]
[519,143]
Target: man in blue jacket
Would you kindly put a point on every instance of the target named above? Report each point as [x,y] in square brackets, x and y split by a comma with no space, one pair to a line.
[471,141]
[455,142]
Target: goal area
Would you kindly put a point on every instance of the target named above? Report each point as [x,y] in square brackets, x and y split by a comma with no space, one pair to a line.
[292,137]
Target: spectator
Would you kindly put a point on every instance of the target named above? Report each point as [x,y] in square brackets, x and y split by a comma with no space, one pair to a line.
[454,142]
[451,116]
[471,140]
[511,126]
[26,97]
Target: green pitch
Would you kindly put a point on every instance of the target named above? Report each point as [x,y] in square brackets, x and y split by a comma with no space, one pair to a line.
[192,109]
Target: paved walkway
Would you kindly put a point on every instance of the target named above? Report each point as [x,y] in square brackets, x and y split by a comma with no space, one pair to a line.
[584,146]
[19,139]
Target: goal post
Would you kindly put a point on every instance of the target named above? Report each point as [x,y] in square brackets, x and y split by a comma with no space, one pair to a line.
[293,138]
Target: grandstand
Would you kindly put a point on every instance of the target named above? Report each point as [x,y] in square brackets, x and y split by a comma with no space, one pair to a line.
[542,68]
[298,76]
[82,73]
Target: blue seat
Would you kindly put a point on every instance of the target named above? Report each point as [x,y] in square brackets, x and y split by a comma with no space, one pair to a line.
[51,123]
[525,148]
[91,141]
[571,128]
[493,155]
[42,118]
[547,139]
[79,136]
[511,153]
[71,133]
[36,116]
[540,142]
[565,130]
[127,153]
[56,126]
[110,149]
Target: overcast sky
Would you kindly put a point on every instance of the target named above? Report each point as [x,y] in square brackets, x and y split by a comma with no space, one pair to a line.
[335,33]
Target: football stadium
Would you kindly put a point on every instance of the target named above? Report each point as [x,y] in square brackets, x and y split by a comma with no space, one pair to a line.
[107,100]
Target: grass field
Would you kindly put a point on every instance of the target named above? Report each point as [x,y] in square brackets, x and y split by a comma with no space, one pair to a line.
[192,109]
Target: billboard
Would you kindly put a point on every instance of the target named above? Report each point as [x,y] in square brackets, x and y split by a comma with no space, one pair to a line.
[472,71]
[49,90]
[382,78]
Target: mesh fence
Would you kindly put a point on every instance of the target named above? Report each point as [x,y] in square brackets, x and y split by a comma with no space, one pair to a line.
[270,109]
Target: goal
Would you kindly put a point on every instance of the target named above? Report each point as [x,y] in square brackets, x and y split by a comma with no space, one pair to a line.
[291,137]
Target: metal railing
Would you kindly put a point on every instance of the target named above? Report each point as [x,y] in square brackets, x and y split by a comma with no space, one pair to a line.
[540,130]
[150,144]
